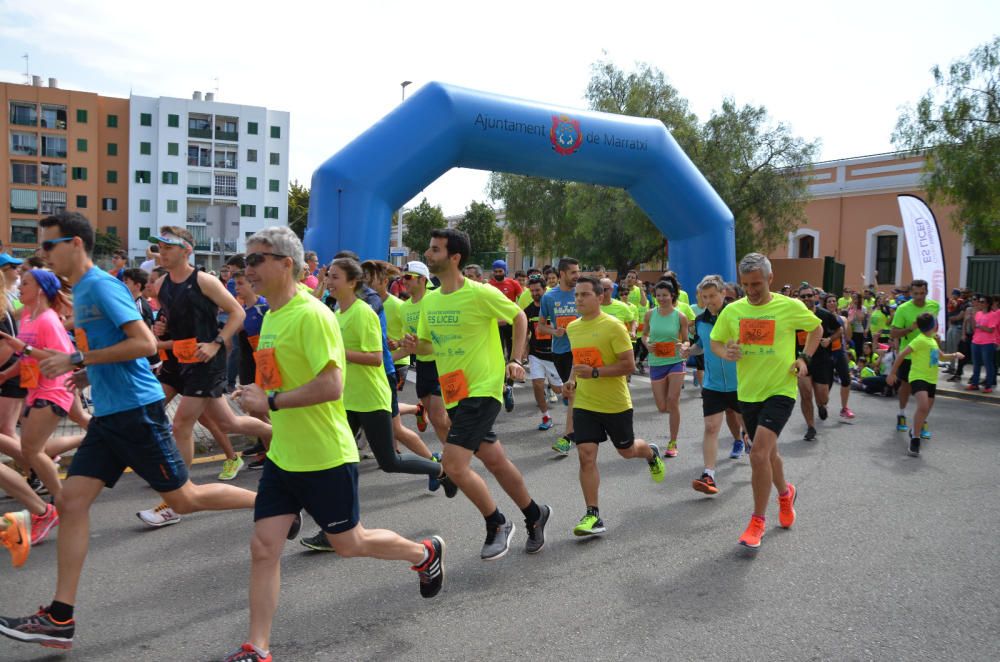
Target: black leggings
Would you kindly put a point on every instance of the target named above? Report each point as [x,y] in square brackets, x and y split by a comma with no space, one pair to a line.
[378,430]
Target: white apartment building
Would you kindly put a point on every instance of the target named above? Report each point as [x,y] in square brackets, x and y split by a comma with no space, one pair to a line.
[220,169]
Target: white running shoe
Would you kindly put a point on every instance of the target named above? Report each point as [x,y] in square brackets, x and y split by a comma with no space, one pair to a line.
[162,515]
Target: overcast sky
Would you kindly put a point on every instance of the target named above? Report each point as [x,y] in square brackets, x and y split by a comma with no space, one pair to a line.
[837,72]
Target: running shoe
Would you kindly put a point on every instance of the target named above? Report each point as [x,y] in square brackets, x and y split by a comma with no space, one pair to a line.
[431,571]
[247,653]
[39,628]
[737,449]
[450,488]
[162,515]
[657,470]
[954,378]
[231,468]
[42,524]
[786,507]
[508,398]
[901,425]
[562,446]
[590,525]
[497,543]
[925,431]
[810,434]
[257,463]
[317,543]
[434,482]
[37,485]
[747,442]
[17,536]
[565,401]
[671,449]
[256,449]
[822,412]
[914,449]
[546,423]
[421,417]
[553,397]
[536,531]
[754,532]
[972,387]
[846,412]
[293,530]
[705,484]
[987,389]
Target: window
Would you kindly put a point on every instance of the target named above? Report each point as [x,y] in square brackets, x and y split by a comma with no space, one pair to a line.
[52,202]
[143,177]
[885,255]
[81,115]
[807,246]
[271,212]
[225,158]
[251,156]
[23,231]
[248,211]
[251,183]
[109,204]
[171,206]
[81,201]
[112,149]
[173,121]
[173,149]
[225,185]
[53,117]
[23,114]
[112,177]
[146,119]
[112,230]
[273,185]
[144,233]
[200,156]
[53,174]
[23,173]
[252,128]
[145,148]
[144,205]
[23,201]
[23,144]
[112,121]
[275,131]
[169,177]
[79,174]
[275,158]
[199,183]
[54,146]
[81,144]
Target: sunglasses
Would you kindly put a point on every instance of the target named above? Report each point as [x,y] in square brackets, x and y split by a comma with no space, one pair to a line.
[169,241]
[256,259]
[806,296]
[49,244]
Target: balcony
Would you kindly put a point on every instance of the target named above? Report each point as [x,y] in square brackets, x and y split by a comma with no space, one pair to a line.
[23,115]
[199,190]
[227,128]
[202,240]
[232,136]
[199,133]
[200,126]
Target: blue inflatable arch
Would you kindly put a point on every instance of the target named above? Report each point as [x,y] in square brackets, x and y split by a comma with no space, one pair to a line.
[440,127]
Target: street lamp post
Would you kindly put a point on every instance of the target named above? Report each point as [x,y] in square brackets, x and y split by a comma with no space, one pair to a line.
[399,214]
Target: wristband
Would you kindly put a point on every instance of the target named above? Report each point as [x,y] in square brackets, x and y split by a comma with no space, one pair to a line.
[272,402]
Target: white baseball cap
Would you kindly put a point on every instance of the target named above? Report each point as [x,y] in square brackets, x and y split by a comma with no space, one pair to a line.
[418,268]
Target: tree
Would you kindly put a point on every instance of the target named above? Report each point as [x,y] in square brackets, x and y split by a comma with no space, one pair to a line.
[485,234]
[105,243]
[298,208]
[534,211]
[610,228]
[419,222]
[956,124]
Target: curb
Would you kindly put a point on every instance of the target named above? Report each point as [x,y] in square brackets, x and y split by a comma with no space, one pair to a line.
[972,396]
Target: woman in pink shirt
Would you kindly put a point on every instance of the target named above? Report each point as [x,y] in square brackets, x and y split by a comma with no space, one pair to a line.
[40,334]
[984,344]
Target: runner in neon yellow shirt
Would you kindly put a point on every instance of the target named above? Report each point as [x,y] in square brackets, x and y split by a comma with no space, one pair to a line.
[904,329]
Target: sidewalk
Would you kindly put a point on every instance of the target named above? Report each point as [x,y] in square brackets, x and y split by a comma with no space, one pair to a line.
[957,389]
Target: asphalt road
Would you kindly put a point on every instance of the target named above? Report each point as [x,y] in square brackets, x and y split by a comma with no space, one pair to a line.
[891,557]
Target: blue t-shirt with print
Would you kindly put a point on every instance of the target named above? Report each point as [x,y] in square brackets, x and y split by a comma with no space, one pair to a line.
[255,316]
[555,304]
[101,306]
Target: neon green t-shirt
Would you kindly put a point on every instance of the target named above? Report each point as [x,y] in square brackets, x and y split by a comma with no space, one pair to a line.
[365,386]
[394,324]
[410,311]
[682,296]
[620,310]
[907,314]
[878,323]
[767,339]
[686,309]
[524,299]
[462,326]
[306,339]
[924,356]
[843,303]
[609,395]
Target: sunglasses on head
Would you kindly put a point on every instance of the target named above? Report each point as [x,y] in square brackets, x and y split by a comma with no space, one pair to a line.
[49,244]
[255,259]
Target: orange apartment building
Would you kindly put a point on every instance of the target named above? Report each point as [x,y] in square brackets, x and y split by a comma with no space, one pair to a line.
[65,150]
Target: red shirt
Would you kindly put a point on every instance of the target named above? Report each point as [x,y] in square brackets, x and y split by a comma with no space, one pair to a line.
[510,287]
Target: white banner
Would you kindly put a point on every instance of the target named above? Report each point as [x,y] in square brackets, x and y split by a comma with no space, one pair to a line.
[923,243]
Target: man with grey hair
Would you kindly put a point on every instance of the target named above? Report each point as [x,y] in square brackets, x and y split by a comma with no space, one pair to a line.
[312,462]
[758,333]
[474,272]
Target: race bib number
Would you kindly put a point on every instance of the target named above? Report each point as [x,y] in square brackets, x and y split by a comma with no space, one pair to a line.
[800,337]
[454,386]
[664,350]
[268,375]
[254,341]
[756,332]
[563,321]
[29,374]
[541,335]
[185,350]
[81,339]
[587,356]
[836,345]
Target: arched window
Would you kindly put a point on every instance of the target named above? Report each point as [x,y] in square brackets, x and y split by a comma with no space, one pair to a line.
[803,243]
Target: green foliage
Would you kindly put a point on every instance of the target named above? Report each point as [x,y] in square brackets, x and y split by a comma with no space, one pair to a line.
[105,243]
[298,208]
[957,124]
[485,235]
[419,222]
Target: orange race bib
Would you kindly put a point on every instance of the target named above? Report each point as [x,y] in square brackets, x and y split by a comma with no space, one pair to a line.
[587,356]
[664,350]
[454,386]
[756,332]
[836,345]
[81,339]
[254,341]
[268,375]
[800,337]
[185,350]
[29,374]
[640,327]
[564,321]
[539,334]
[163,354]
